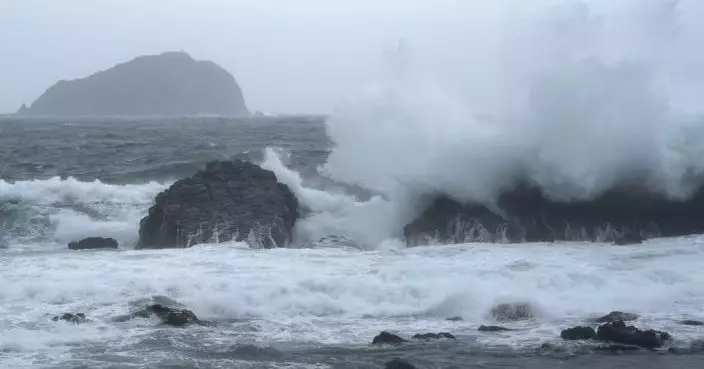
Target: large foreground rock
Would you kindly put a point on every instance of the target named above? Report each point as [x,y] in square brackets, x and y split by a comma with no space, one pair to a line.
[171,84]
[92,243]
[525,214]
[227,201]
[619,332]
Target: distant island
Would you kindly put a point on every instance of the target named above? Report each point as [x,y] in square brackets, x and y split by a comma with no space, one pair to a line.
[169,84]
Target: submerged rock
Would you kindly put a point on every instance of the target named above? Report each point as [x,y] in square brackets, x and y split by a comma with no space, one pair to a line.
[620,333]
[492,328]
[168,315]
[512,312]
[455,319]
[525,214]
[399,364]
[77,318]
[387,338]
[93,243]
[227,201]
[691,322]
[433,336]
[578,333]
[616,316]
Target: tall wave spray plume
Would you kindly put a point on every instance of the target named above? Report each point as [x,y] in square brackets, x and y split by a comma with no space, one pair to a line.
[575,97]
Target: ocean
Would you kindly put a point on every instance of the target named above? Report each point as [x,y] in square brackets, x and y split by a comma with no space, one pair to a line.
[317,304]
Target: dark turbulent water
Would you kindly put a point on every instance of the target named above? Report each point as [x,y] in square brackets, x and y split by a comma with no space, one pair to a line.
[298,308]
[139,150]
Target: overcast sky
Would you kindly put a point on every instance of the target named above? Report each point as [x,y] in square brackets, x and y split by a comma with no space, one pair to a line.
[290,56]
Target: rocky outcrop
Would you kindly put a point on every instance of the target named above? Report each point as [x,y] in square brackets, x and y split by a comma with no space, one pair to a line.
[492,328]
[78,318]
[228,200]
[433,336]
[169,84]
[620,333]
[578,333]
[93,243]
[525,214]
[388,339]
[512,312]
[616,316]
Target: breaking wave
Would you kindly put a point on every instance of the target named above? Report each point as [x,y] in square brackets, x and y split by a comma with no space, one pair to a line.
[577,98]
[57,211]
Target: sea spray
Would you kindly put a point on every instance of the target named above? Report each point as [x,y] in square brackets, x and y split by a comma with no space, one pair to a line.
[581,97]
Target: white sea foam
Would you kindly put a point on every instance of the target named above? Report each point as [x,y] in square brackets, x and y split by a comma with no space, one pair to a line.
[338,296]
[574,96]
[57,211]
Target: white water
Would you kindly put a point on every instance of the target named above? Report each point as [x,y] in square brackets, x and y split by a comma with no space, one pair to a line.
[342,296]
[574,96]
[55,212]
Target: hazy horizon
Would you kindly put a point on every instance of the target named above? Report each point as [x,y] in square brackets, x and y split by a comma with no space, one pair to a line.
[300,56]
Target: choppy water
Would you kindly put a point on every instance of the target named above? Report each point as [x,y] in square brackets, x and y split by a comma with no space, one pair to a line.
[316,306]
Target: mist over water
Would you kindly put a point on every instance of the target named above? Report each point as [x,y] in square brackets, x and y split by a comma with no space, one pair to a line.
[574,97]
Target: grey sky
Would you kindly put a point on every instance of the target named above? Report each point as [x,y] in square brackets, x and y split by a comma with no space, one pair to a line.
[289,56]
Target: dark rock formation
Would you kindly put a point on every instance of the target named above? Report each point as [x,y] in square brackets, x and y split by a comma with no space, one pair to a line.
[399,364]
[512,312]
[227,201]
[620,333]
[616,316]
[691,322]
[168,315]
[455,319]
[387,338]
[77,318]
[93,243]
[492,328]
[525,214]
[433,336]
[578,333]
[171,84]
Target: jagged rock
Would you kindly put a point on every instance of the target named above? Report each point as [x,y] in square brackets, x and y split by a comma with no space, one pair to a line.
[77,318]
[167,315]
[93,243]
[224,202]
[399,364]
[616,316]
[526,214]
[512,312]
[492,328]
[691,322]
[578,333]
[169,84]
[620,333]
[387,338]
[433,336]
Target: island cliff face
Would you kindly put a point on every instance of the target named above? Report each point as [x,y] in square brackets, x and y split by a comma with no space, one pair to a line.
[172,84]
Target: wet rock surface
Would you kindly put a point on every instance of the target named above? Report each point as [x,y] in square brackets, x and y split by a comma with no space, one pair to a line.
[227,201]
[92,243]
[78,318]
[433,336]
[512,312]
[387,338]
[578,333]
